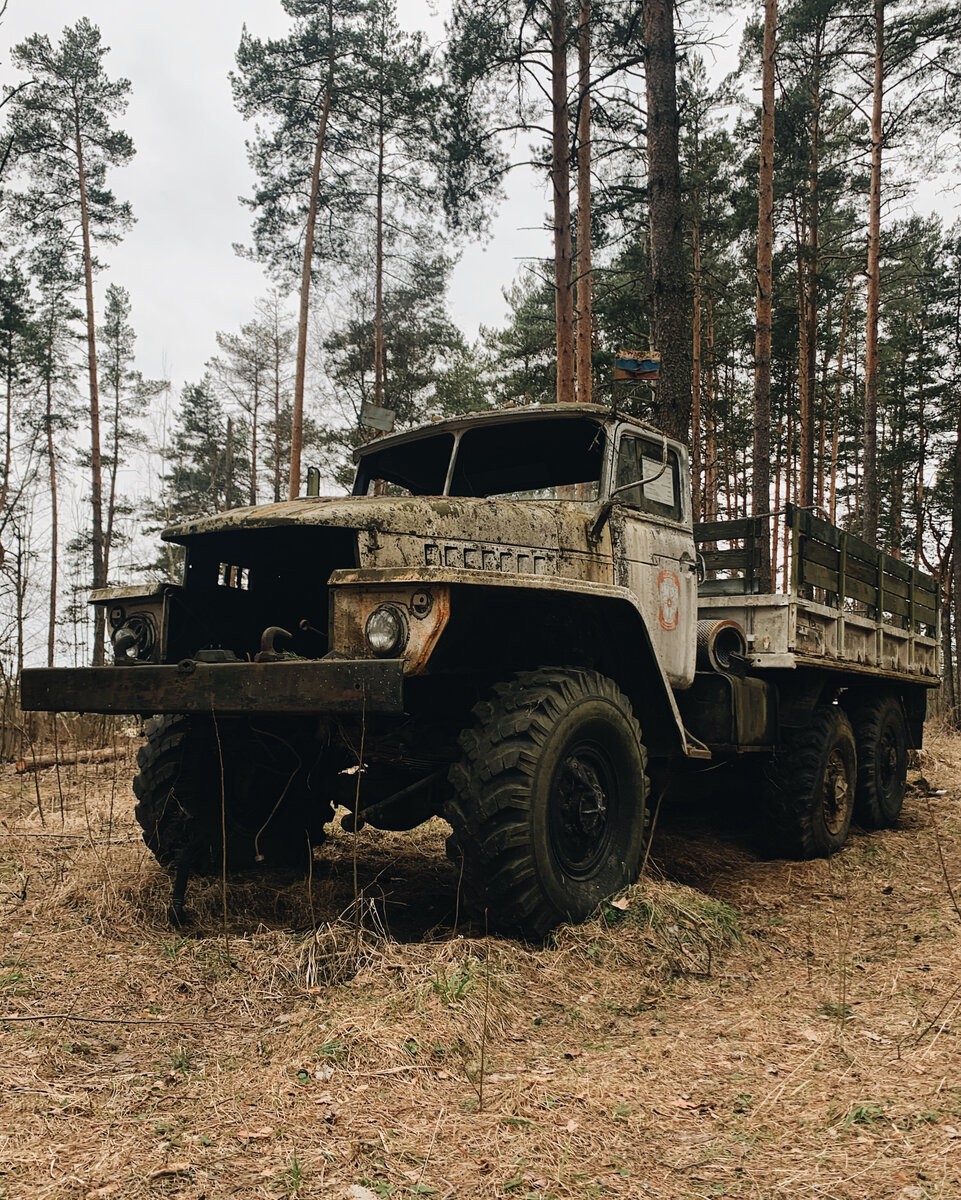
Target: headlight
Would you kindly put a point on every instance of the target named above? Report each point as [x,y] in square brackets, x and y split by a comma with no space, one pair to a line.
[134,640]
[386,630]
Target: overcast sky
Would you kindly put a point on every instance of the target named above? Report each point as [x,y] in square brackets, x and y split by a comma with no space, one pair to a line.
[177,262]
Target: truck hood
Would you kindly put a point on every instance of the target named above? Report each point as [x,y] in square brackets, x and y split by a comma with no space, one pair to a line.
[557,525]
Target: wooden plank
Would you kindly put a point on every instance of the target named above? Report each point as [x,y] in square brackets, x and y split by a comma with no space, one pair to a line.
[854,589]
[818,576]
[730,560]
[724,531]
[896,587]
[723,587]
[824,556]
[894,604]
[862,573]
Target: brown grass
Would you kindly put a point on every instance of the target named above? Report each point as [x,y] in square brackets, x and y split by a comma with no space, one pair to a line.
[741,1028]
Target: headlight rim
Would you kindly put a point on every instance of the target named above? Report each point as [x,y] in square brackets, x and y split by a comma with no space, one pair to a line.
[399,642]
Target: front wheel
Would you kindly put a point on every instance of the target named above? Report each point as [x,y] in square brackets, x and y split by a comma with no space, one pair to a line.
[549,806]
[231,792]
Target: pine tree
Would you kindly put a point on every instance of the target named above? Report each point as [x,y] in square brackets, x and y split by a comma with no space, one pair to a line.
[65,143]
[294,85]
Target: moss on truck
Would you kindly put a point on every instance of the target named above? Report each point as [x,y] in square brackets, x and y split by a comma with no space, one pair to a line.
[508,623]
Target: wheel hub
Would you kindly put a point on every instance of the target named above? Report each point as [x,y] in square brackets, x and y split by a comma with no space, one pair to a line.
[888,761]
[580,810]
[837,788]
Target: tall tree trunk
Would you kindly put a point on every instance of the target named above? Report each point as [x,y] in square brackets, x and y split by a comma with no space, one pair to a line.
[96,465]
[8,442]
[956,527]
[836,418]
[561,185]
[276,418]
[710,422]
[761,498]
[669,267]
[297,417]
[811,320]
[114,440]
[696,481]
[871,501]
[254,431]
[228,466]
[379,271]
[585,307]
[54,512]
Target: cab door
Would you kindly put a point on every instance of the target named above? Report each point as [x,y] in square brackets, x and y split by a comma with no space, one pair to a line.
[654,551]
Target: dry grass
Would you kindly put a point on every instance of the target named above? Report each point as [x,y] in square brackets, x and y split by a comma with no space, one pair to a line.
[741,1028]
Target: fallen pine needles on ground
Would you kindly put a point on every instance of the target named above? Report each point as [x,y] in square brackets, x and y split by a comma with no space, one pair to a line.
[727,1027]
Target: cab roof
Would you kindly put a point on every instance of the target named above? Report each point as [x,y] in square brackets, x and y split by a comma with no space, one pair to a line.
[507,413]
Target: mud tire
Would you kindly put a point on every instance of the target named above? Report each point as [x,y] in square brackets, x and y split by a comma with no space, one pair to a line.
[180,786]
[810,788]
[549,804]
[881,735]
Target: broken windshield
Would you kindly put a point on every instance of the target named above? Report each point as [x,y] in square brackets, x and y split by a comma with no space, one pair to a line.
[538,459]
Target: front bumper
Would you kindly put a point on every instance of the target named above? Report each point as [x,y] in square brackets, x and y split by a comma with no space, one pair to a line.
[324,686]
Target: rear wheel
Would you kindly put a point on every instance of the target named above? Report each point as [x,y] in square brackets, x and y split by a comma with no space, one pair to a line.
[232,785]
[811,784]
[549,810]
[881,734]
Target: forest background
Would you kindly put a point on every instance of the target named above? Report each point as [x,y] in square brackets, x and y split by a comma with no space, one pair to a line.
[391,153]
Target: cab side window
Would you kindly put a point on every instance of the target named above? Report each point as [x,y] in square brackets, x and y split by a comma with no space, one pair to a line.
[657,492]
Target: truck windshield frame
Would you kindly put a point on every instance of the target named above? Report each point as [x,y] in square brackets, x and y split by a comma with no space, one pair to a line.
[542,458]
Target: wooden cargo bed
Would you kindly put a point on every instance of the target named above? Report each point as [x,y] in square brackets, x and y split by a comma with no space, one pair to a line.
[847,606]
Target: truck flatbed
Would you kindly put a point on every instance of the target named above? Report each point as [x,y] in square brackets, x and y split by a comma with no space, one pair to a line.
[847,606]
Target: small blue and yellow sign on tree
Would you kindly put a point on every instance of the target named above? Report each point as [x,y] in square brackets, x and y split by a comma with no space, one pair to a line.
[637,364]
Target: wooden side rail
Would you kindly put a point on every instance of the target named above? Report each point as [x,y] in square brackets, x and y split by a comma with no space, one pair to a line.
[738,565]
[847,568]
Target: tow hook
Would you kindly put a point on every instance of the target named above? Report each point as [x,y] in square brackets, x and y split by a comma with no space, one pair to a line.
[268,644]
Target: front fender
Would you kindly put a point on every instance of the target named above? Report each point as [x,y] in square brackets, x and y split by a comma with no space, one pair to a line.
[502,622]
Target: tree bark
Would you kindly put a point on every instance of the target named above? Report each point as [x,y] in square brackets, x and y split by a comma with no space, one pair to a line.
[297,417]
[836,418]
[810,317]
[561,185]
[54,512]
[585,307]
[761,496]
[379,271]
[870,508]
[276,417]
[96,464]
[696,481]
[669,267]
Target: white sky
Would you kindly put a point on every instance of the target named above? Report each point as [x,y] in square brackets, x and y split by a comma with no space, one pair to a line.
[177,262]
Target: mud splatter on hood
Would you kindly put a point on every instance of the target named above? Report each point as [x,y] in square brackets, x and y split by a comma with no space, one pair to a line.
[550,524]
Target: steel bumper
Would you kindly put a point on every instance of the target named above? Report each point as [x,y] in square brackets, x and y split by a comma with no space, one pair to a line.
[324,686]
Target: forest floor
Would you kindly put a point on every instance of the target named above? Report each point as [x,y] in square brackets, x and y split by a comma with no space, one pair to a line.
[732,1027]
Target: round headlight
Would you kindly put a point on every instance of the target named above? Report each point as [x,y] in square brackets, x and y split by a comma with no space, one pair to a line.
[386,630]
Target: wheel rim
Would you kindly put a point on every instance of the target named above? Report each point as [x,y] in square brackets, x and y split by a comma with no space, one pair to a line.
[888,761]
[836,798]
[584,800]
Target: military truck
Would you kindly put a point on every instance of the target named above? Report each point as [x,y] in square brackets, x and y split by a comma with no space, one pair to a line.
[511,623]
